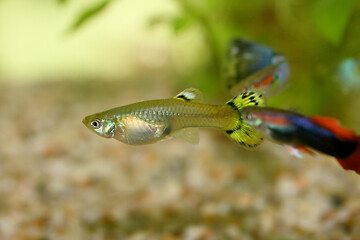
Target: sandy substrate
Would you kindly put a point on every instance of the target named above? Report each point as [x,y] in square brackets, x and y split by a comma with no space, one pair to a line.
[58,180]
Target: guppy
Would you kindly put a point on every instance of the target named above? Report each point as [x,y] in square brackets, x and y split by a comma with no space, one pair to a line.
[155,120]
[250,65]
[303,134]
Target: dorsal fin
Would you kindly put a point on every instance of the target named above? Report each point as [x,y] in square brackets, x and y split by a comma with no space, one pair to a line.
[190,94]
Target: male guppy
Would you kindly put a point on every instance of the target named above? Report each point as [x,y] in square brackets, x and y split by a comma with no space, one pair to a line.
[323,134]
[250,65]
[151,121]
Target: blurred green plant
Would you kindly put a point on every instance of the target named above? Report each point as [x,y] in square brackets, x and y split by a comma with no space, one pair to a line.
[62,1]
[220,20]
[331,18]
[88,13]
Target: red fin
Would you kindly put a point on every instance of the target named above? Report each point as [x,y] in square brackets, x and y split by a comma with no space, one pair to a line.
[333,125]
[353,161]
[297,150]
[305,150]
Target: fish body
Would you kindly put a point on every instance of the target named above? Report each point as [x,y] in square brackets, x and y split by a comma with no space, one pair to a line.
[250,65]
[155,120]
[322,134]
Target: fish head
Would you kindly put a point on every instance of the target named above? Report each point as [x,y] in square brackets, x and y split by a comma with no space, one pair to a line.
[104,127]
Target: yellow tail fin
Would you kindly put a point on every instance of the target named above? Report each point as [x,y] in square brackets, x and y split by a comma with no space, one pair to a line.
[241,132]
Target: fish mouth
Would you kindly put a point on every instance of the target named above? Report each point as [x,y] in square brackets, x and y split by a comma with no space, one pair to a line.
[86,120]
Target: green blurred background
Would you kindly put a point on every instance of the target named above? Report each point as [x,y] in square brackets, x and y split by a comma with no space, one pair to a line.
[78,40]
[62,60]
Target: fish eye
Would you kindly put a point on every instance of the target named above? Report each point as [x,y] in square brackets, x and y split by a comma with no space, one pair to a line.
[95,123]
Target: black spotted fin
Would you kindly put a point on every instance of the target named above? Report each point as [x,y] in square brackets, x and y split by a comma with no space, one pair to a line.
[190,94]
[240,131]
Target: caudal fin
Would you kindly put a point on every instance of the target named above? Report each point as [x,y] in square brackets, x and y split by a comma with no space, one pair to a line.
[241,132]
[352,160]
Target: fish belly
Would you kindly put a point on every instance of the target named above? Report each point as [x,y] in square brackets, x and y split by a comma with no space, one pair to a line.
[135,131]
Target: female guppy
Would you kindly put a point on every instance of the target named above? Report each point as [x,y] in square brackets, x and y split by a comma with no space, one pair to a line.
[323,134]
[151,121]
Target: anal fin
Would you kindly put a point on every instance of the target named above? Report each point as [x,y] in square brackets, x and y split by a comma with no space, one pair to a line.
[298,150]
[190,135]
